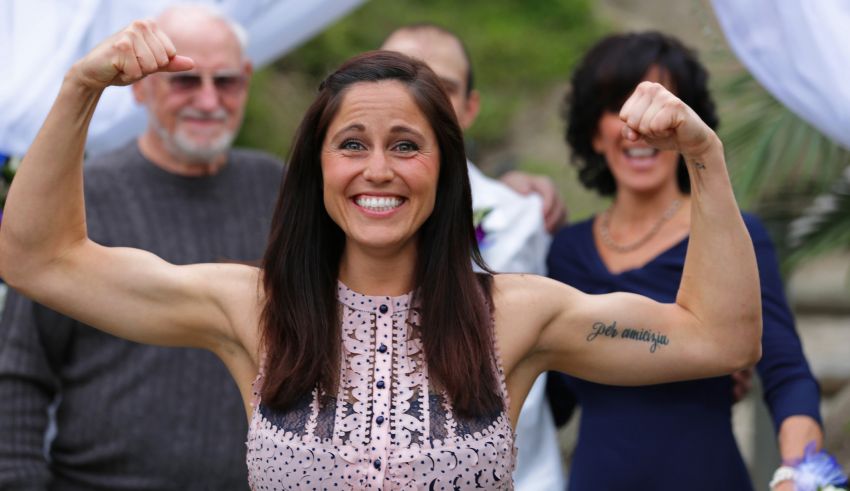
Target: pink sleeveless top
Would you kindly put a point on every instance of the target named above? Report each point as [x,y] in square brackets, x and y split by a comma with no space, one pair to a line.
[388,427]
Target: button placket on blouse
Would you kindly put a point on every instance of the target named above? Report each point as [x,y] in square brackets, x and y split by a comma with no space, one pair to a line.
[381,390]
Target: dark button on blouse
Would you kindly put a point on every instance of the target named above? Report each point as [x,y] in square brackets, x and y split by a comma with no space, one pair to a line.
[377,464]
[382,348]
[379,419]
[383,309]
[380,384]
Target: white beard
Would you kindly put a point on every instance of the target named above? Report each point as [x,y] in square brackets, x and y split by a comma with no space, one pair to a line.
[182,145]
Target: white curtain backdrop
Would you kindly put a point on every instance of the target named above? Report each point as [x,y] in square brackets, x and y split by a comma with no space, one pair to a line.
[40,39]
[799,50]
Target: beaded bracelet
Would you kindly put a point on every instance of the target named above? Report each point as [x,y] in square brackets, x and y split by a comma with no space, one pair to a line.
[784,473]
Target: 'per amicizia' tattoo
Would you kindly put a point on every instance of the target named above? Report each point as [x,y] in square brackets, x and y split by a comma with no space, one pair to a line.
[645,335]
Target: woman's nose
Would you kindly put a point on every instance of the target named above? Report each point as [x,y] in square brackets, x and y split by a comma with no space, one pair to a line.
[378,168]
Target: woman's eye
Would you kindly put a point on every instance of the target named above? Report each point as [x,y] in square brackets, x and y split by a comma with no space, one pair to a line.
[352,145]
[406,147]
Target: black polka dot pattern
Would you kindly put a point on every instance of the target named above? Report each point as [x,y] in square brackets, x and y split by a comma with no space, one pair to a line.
[388,427]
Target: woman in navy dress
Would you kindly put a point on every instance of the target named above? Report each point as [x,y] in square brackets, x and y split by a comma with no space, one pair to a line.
[677,435]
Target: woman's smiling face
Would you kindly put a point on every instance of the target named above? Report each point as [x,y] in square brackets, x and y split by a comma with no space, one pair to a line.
[636,166]
[380,167]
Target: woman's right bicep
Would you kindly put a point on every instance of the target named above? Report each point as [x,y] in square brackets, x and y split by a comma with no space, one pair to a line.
[136,295]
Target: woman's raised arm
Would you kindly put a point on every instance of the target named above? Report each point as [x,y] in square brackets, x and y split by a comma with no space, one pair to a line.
[44,249]
[714,327]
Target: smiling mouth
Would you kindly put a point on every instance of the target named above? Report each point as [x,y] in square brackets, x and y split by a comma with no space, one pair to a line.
[378,203]
[641,152]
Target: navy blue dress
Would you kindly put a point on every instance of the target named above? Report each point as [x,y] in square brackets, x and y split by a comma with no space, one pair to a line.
[679,435]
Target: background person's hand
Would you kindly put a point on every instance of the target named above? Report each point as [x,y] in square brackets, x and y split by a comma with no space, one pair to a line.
[742,383]
[665,122]
[554,209]
[785,486]
[129,55]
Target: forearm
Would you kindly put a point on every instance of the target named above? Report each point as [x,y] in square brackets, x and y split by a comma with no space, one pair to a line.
[720,283]
[44,211]
[795,433]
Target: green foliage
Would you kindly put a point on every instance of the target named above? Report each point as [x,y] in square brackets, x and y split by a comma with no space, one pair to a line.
[772,152]
[824,226]
[7,173]
[779,164]
[518,49]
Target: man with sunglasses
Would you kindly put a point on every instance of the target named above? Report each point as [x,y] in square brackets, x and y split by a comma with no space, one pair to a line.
[174,418]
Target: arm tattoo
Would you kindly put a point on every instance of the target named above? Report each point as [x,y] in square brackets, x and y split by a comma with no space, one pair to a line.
[699,165]
[612,331]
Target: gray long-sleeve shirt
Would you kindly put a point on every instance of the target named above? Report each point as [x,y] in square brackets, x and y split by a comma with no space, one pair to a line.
[130,416]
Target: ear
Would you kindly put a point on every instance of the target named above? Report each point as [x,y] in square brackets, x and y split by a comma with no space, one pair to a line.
[472,105]
[249,71]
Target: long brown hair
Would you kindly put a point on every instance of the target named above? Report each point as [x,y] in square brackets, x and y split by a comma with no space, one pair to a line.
[300,322]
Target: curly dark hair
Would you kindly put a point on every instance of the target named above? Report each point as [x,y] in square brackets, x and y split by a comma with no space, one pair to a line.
[605,78]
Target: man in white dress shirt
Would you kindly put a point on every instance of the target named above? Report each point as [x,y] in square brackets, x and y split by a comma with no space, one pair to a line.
[512,238]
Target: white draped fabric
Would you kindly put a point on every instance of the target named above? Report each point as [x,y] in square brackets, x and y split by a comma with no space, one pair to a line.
[40,39]
[799,50]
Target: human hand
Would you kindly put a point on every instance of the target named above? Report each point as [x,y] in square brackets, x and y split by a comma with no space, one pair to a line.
[128,56]
[554,209]
[662,120]
[787,485]
[742,383]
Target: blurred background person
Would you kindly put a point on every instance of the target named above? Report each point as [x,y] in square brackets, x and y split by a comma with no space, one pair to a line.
[638,245]
[181,192]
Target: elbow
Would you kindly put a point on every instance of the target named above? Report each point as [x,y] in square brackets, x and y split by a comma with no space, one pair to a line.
[18,264]
[11,271]
[7,271]
[750,350]
[750,357]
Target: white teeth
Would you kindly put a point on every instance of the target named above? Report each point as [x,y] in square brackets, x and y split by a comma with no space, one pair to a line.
[374,203]
[640,152]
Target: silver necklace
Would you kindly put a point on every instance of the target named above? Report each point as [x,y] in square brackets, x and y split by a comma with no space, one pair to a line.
[605,233]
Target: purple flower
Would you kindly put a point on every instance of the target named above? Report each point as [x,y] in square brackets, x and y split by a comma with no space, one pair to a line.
[478,221]
[817,470]
[480,234]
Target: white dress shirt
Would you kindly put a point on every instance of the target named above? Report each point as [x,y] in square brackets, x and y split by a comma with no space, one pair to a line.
[515,241]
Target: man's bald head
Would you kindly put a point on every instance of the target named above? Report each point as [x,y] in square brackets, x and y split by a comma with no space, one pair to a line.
[446,55]
[194,116]
[189,18]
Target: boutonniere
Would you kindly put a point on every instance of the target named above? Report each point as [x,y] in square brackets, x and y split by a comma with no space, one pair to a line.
[478,222]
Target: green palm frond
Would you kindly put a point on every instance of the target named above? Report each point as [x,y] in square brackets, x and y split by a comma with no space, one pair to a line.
[824,226]
[786,170]
[771,151]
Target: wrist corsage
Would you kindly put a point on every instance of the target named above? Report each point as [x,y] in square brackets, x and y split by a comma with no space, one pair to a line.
[815,471]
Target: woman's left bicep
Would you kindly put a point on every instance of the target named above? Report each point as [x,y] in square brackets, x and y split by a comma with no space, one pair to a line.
[628,339]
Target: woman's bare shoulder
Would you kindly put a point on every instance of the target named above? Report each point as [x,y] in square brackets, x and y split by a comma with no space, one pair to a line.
[520,291]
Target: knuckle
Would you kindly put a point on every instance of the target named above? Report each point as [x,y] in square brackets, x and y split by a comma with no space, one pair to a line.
[646,86]
[674,104]
[143,25]
[123,45]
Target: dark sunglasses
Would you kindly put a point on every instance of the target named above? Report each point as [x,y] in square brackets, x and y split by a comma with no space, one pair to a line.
[190,82]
